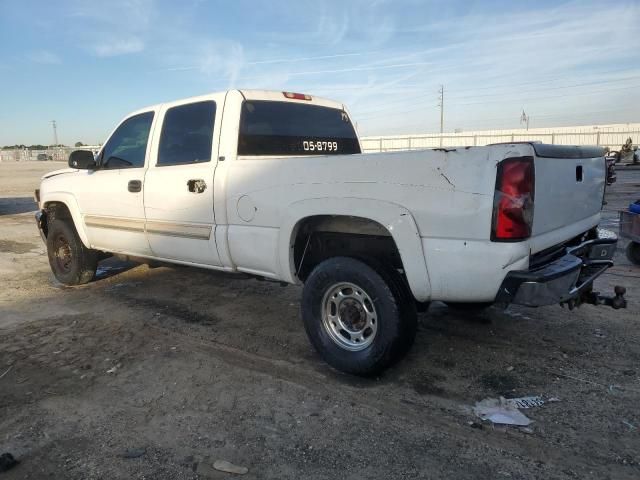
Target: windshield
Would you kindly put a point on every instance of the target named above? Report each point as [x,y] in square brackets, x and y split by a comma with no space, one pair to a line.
[285,128]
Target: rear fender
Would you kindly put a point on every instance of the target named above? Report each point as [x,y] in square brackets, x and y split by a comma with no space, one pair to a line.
[396,219]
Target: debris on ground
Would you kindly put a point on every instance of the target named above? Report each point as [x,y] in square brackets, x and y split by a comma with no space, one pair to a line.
[114,368]
[134,452]
[477,425]
[500,411]
[526,402]
[7,462]
[6,371]
[228,467]
[599,333]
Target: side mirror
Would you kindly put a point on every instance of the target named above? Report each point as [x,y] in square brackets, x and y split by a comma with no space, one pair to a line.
[82,159]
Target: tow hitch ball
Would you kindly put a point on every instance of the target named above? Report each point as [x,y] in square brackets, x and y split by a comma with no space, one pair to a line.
[616,302]
[594,298]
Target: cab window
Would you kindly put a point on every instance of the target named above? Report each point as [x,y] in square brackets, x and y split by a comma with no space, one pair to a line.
[127,146]
[187,134]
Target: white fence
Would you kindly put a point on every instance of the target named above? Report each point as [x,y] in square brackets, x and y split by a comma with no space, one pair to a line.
[58,154]
[612,136]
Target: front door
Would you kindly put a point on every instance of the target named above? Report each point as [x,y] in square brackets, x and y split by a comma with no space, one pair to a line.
[110,198]
[178,190]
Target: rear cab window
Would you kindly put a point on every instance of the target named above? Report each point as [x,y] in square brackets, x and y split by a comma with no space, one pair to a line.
[294,129]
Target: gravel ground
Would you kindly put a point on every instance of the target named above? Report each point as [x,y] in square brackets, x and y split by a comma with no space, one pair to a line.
[157,373]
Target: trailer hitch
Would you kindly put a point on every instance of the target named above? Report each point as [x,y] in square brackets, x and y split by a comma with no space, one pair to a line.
[594,298]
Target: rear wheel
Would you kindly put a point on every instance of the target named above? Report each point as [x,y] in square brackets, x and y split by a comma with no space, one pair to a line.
[633,252]
[358,318]
[71,262]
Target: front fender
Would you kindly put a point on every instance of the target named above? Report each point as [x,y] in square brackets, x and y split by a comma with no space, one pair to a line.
[396,219]
[70,201]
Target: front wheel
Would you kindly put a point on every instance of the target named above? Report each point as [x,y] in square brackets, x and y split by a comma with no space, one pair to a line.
[358,318]
[71,262]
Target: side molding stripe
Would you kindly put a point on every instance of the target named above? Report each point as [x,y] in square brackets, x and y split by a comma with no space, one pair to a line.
[186,230]
[128,224]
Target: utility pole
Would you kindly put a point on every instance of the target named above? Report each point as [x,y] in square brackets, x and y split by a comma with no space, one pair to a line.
[441,105]
[524,118]
[55,133]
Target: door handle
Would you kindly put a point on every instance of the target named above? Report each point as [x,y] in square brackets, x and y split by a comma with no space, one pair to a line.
[134,186]
[196,186]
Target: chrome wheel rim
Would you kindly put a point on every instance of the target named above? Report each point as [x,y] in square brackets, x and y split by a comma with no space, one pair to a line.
[349,316]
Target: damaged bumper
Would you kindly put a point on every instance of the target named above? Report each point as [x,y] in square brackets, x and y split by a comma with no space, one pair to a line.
[41,222]
[567,278]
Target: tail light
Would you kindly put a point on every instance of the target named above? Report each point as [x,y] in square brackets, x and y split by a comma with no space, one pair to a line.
[513,200]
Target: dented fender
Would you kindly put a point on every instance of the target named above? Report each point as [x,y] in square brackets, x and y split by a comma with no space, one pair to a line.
[70,201]
[396,219]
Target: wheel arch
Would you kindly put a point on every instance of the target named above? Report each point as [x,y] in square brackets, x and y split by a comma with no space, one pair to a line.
[377,217]
[66,203]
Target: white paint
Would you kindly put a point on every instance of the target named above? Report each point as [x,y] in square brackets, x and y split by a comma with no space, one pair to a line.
[436,205]
[246,208]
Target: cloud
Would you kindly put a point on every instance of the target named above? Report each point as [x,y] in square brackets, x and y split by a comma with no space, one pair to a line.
[124,15]
[118,47]
[114,27]
[551,51]
[386,58]
[44,57]
[224,59]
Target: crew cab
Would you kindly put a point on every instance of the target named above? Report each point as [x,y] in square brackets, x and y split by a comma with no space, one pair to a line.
[274,184]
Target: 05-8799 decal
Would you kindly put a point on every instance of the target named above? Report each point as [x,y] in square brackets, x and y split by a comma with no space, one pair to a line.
[319,146]
[295,145]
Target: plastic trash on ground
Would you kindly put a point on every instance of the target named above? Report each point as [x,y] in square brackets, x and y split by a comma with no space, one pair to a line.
[501,411]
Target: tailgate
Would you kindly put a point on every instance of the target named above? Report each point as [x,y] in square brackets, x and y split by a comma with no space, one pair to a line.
[569,188]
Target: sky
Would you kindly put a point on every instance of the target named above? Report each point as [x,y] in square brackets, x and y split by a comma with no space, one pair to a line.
[88,63]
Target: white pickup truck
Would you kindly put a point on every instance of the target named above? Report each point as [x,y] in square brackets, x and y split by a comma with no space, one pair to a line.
[274,184]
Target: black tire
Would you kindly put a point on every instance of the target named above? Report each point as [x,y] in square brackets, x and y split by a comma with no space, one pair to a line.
[394,311]
[71,262]
[422,307]
[633,252]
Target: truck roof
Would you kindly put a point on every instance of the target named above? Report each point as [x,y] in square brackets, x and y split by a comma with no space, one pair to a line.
[249,94]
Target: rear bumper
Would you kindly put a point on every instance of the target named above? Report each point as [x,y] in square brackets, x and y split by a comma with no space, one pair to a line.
[566,278]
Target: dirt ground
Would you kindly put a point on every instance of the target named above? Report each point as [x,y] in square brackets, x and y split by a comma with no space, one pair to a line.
[157,373]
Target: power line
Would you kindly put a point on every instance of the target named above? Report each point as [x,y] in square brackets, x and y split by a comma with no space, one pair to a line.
[420,86]
[559,87]
[554,96]
[391,105]
[413,98]
[546,116]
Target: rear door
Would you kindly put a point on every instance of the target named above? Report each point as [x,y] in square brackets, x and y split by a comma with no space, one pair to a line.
[178,194]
